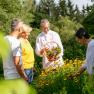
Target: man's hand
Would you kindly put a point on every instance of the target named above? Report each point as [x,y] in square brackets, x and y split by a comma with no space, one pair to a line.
[25,76]
[78,73]
[52,58]
[43,51]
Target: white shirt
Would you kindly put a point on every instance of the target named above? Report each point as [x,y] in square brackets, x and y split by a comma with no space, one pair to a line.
[10,71]
[44,38]
[89,65]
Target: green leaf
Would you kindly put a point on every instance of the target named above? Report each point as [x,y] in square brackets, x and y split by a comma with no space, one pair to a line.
[15,87]
[4,47]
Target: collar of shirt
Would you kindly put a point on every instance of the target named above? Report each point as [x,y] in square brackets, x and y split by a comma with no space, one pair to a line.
[46,33]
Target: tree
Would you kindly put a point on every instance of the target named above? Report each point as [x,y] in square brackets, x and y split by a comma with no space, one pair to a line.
[63,7]
[45,9]
[29,5]
[77,14]
[70,9]
[89,21]
[10,9]
[88,9]
[83,11]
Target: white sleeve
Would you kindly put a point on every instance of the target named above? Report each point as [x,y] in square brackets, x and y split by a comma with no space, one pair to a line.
[90,58]
[90,55]
[58,40]
[89,62]
[16,49]
[38,47]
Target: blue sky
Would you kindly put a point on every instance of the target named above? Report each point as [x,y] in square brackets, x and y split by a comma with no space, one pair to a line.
[80,3]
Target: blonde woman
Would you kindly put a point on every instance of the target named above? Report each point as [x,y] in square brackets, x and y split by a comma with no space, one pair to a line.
[27,52]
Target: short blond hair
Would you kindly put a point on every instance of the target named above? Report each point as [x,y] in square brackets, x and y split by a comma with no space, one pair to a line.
[26,28]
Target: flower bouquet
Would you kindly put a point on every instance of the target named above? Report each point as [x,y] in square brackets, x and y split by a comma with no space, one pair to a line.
[53,51]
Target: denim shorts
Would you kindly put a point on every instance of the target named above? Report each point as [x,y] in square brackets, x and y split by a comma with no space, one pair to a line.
[29,73]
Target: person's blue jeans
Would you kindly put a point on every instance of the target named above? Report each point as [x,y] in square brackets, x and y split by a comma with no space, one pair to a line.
[29,73]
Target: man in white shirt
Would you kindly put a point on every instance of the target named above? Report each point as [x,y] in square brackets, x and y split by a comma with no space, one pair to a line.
[12,63]
[48,36]
[83,38]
